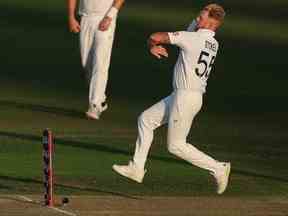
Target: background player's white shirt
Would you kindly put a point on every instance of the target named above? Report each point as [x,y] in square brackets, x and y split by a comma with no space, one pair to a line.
[198,51]
[94,7]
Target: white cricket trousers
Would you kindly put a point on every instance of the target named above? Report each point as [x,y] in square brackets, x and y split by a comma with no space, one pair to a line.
[178,110]
[95,48]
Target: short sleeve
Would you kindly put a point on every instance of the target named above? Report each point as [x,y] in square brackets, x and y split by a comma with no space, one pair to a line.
[181,39]
[177,38]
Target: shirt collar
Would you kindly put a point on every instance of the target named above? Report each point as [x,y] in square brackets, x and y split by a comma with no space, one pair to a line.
[207,31]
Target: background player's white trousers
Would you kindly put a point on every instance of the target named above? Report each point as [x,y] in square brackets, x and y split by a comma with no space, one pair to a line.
[95,47]
[178,110]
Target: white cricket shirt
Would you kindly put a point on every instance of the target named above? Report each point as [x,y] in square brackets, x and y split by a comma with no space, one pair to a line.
[94,7]
[198,51]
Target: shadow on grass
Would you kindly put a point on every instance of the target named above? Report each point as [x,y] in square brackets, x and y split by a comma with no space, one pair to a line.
[4,187]
[40,108]
[65,186]
[113,150]
[83,145]
[258,175]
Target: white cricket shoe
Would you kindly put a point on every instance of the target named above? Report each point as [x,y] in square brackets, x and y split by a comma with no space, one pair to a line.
[130,171]
[222,177]
[95,111]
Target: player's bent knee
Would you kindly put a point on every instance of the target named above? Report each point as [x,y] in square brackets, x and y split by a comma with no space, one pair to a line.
[142,119]
[176,146]
[145,120]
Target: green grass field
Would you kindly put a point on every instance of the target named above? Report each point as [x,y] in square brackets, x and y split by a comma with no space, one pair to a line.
[244,117]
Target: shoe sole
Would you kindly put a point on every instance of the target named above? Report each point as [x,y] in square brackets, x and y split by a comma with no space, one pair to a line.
[91,116]
[117,170]
[227,173]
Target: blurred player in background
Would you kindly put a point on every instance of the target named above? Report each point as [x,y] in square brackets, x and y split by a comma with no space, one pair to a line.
[198,51]
[97,26]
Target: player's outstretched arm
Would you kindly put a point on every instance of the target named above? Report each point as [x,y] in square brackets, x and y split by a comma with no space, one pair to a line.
[155,42]
[73,23]
[193,26]
[111,14]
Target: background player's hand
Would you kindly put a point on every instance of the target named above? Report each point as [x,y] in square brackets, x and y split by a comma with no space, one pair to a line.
[105,23]
[74,25]
[159,51]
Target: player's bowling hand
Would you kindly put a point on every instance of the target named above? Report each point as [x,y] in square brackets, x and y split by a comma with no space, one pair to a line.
[158,51]
[105,23]
[74,25]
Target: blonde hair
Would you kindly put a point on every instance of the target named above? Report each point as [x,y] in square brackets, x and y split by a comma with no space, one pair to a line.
[216,12]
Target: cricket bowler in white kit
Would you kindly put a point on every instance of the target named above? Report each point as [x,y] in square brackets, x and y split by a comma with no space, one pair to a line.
[97,26]
[198,51]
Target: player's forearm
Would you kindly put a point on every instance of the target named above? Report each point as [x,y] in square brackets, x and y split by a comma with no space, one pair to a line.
[158,38]
[71,8]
